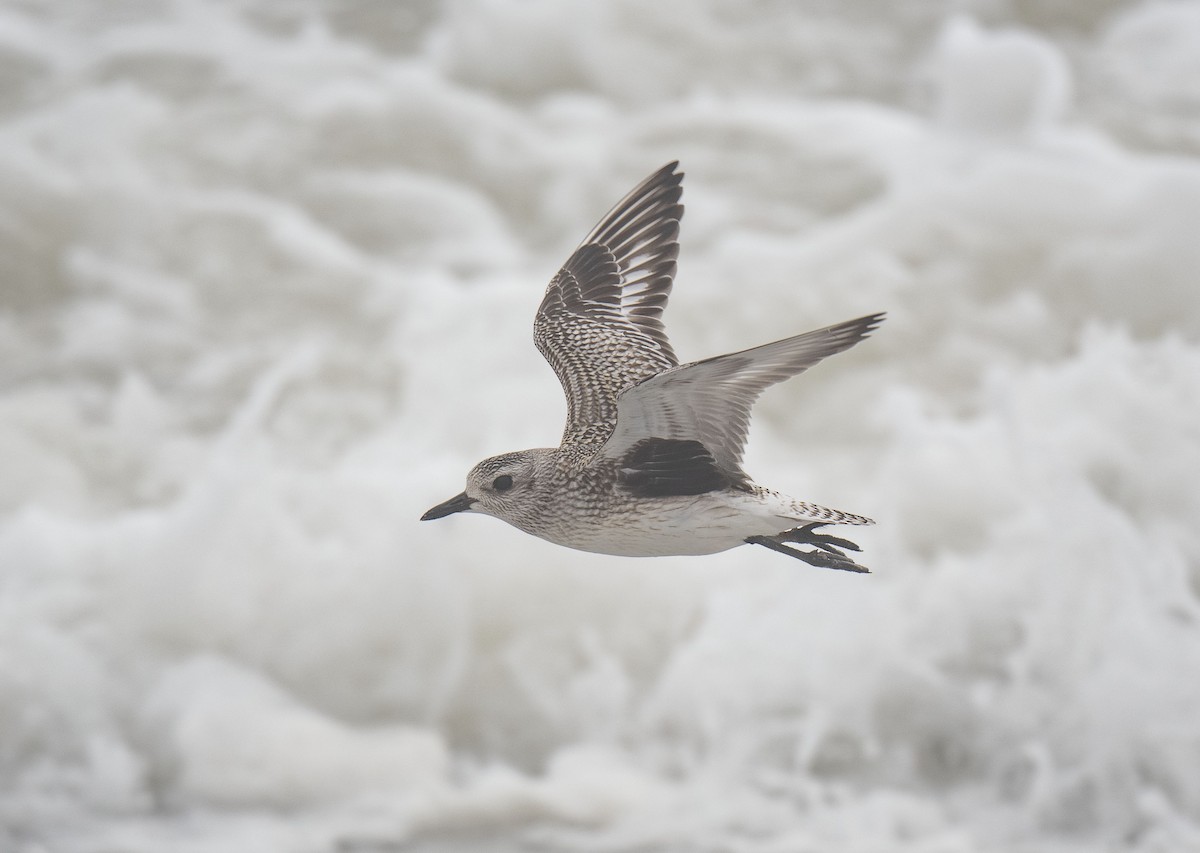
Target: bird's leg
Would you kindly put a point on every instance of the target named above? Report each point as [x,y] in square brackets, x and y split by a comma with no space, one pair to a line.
[806,535]
[826,558]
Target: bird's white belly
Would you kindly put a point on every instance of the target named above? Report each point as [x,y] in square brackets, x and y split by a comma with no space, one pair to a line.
[675,526]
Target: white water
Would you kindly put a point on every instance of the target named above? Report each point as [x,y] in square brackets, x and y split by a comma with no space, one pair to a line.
[267,273]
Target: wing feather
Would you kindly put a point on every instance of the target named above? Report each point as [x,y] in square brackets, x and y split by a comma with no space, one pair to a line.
[600,323]
[709,401]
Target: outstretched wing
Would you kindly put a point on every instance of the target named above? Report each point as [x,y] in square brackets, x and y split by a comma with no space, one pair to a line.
[708,402]
[600,324]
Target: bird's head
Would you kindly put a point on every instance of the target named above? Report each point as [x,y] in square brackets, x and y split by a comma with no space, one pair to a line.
[503,486]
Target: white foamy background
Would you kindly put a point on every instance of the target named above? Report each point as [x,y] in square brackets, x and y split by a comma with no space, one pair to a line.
[267,277]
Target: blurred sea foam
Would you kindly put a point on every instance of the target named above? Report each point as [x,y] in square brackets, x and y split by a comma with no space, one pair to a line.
[267,275]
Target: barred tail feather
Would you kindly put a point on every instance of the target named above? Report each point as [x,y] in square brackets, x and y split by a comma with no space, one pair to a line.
[806,513]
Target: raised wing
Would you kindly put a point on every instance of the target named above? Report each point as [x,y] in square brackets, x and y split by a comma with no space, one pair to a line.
[600,323]
[709,401]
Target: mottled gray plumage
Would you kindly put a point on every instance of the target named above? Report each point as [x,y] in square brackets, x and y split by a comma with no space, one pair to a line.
[600,323]
[650,462]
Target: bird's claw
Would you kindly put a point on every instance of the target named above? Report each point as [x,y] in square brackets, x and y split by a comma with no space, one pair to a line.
[806,536]
[826,558]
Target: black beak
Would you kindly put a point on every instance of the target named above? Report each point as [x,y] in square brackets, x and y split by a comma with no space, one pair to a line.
[458,503]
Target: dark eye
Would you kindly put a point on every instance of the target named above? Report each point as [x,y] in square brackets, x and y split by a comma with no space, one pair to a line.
[502,483]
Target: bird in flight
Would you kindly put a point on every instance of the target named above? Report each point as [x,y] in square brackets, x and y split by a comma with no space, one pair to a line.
[650,462]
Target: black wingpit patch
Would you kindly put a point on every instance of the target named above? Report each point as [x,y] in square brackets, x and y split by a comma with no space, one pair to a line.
[665,467]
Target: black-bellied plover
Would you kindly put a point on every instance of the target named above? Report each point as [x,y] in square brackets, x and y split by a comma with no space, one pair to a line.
[650,460]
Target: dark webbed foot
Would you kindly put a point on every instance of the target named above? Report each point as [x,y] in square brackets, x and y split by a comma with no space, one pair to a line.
[829,555]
